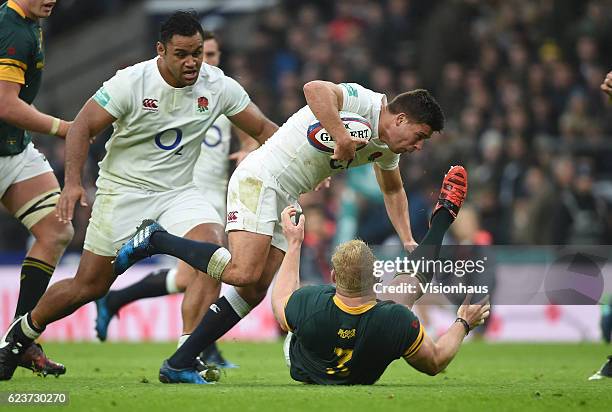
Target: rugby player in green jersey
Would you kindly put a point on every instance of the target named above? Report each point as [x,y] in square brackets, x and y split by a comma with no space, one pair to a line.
[343,335]
[28,187]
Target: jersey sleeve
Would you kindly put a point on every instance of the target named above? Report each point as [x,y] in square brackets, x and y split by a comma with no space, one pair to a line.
[357,99]
[235,98]
[408,333]
[114,95]
[15,50]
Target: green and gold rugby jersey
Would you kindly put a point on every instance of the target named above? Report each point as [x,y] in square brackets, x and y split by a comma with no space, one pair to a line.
[334,344]
[21,61]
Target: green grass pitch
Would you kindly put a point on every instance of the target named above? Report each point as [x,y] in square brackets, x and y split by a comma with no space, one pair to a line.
[483,377]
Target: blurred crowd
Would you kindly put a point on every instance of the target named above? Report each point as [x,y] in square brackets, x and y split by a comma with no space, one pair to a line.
[519,84]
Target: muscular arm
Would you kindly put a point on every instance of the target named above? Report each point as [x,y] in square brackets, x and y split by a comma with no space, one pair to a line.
[433,357]
[325,100]
[396,202]
[90,121]
[288,276]
[254,123]
[15,111]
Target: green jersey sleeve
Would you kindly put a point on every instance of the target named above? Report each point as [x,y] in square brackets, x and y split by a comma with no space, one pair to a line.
[16,48]
[407,335]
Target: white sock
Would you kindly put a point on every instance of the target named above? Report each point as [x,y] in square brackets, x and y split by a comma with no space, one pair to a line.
[27,329]
[240,306]
[182,340]
[171,282]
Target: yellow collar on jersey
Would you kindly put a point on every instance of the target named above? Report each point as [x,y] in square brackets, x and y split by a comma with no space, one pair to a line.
[353,310]
[12,5]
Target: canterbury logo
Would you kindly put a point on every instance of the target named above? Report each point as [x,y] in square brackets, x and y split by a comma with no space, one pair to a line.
[232,216]
[150,104]
[215,308]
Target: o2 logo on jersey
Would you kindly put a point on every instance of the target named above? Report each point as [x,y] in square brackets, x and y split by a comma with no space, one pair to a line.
[172,136]
[213,137]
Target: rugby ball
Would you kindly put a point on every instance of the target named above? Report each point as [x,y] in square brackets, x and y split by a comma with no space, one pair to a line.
[356,125]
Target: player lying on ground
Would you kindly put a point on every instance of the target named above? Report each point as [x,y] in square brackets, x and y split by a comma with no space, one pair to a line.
[28,187]
[160,110]
[273,177]
[210,175]
[343,335]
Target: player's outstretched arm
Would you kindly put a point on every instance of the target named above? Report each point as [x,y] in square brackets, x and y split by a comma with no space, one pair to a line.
[288,277]
[254,123]
[90,121]
[396,203]
[15,111]
[433,357]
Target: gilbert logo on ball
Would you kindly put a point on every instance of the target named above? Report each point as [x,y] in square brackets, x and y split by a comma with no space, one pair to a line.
[355,125]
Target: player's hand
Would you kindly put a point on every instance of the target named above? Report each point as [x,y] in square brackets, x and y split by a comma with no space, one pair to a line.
[606,86]
[294,233]
[63,129]
[64,210]
[346,147]
[239,156]
[410,245]
[324,184]
[474,313]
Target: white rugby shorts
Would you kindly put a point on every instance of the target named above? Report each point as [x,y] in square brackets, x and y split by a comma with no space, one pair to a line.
[22,166]
[117,212]
[215,193]
[255,201]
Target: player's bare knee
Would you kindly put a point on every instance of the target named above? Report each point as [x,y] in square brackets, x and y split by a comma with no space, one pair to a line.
[54,235]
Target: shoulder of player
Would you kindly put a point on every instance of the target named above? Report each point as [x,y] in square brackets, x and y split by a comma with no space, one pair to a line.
[314,291]
[390,308]
[211,73]
[14,29]
[136,71]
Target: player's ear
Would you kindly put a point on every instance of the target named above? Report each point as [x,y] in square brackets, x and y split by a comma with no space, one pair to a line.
[161,49]
[400,118]
[333,276]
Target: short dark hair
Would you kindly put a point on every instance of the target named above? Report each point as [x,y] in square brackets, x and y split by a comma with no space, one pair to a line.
[182,23]
[420,106]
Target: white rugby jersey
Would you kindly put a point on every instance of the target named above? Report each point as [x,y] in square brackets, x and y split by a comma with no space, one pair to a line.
[299,167]
[211,168]
[159,129]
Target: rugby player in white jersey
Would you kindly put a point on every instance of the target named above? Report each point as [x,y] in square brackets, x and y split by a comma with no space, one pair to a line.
[210,175]
[160,110]
[271,178]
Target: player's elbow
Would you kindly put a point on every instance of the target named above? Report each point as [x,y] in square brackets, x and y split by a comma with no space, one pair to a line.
[313,87]
[435,364]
